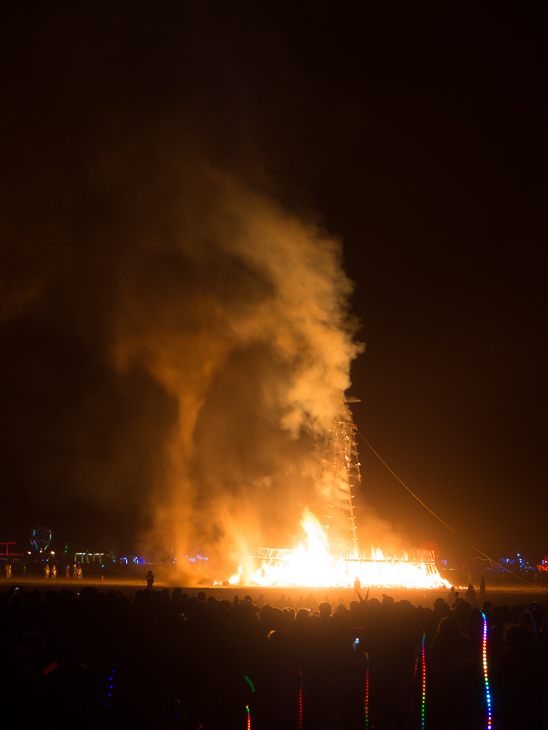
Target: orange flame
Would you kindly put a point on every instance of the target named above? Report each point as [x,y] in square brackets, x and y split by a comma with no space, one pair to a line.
[311,564]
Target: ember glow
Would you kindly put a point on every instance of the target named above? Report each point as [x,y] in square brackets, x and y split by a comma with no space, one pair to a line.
[336,561]
[311,564]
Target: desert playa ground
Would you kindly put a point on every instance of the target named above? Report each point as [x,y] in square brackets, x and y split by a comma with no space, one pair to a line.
[513,595]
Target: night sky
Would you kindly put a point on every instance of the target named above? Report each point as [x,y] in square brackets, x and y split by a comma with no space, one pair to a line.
[413,133]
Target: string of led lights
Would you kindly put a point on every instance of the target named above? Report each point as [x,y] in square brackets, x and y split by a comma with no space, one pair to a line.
[248,709]
[419,656]
[366,699]
[110,685]
[439,518]
[423,681]
[486,675]
[300,700]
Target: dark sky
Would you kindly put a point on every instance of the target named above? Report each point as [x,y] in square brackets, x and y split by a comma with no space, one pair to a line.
[415,133]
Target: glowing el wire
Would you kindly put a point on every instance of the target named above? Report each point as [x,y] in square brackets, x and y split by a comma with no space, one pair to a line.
[250,683]
[248,717]
[366,704]
[485,674]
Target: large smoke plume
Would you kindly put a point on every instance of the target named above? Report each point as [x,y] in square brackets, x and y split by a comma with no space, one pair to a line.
[199,348]
[242,317]
[176,331]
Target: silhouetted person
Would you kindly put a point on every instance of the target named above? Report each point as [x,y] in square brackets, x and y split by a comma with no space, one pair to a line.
[454,672]
[325,609]
[441,609]
[150,579]
[470,593]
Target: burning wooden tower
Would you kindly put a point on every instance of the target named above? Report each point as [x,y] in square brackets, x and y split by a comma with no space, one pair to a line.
[341,477]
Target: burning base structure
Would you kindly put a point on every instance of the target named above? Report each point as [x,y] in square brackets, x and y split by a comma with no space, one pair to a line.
[329,554]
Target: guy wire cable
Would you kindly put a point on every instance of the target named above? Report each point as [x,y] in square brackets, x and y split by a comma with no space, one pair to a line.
[439,518]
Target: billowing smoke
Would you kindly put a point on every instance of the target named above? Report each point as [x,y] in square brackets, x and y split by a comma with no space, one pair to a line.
[189,345]
[241,315]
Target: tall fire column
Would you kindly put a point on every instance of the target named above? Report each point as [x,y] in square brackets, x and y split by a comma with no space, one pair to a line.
[341,475]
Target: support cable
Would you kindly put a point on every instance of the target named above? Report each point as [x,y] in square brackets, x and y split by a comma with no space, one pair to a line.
[439,518]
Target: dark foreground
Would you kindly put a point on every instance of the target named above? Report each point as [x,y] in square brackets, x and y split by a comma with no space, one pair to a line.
[116,655]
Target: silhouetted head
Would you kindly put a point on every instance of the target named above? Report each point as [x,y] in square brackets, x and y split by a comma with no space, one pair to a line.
[449,631]
[278,643]
[324,609]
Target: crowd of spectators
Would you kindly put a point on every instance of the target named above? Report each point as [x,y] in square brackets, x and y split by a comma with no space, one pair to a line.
[166,659]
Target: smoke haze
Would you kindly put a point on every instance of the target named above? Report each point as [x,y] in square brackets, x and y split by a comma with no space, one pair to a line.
[184,336]
[242,317]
